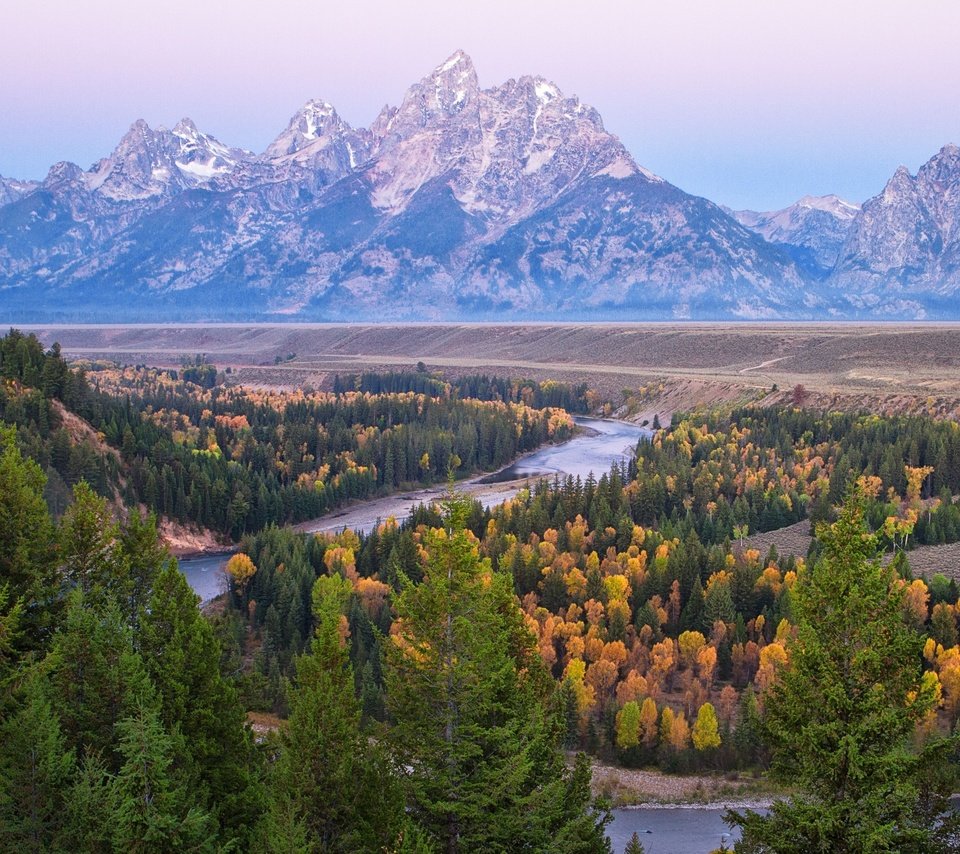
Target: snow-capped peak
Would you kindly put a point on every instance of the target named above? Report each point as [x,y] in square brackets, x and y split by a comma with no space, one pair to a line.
[545,90]
[831,204]
[151,163]
[458,57]
[317,119]
[452,83]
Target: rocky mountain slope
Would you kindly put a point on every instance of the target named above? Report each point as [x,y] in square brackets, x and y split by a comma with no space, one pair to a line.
[812,229]
[902,255]
[507,202]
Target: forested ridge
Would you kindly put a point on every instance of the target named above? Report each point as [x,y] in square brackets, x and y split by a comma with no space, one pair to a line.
[425,678]
[235,460]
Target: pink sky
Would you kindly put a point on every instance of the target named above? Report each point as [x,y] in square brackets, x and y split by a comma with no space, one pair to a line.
[749,103]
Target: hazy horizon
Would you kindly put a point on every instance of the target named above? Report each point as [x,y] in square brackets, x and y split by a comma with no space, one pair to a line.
[749,104]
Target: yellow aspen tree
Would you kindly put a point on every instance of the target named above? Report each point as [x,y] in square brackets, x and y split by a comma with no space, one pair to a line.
[241,569]
[679,733]
[706,735]
[648,722]
[628,726]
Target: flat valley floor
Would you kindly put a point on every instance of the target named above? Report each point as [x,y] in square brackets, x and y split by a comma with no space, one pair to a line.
[663,367]
[642,368]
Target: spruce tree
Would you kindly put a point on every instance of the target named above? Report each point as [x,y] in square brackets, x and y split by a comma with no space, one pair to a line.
[145,556]
[330,784]
[90,549]
[90,808]
[467,693]
[95,677]
[182,657]
[843,713]
[27,568]
[153,809]
[36,765]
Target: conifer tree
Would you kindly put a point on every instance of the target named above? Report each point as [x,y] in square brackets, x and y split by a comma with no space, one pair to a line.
[36,765]
[90,549]
[153,810]
[182,658]
[841,716]
[27,568]
[95,677]
[466,693]
[89,808]
[145,556]
[330,785]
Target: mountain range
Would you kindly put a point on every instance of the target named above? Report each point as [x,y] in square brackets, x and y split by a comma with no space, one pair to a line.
[512,202]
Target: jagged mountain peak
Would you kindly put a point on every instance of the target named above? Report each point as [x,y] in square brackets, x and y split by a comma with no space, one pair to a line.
[150,163]
[12,189]
[448,90]
[315,120]
[906,240]
[186,127]
[943,168]
[457,66]
[505,201]
[63,172]
[813,228]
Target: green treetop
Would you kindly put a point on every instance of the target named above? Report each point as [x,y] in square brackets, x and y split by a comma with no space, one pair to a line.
[467,693]
[841,716]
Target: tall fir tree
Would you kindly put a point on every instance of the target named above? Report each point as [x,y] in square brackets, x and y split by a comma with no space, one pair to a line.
[36,765]
[27,566]
[95,677]
[842,714]
[467,694]
[330,784]
[182,657]
[91,552]
[153,808]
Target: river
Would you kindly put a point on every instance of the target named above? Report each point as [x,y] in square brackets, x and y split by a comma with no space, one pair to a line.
[601,444]
[679,830]
[671,830]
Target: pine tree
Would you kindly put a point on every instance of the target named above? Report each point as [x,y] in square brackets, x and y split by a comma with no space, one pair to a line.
[747,736]
[91,551]
[27,568]
[89,812]
[95,677]
[330,782]
[35,769]
[844,710]
[11,621]
[145,556]
[634,846]
[466,691]
[182,657]
[153,808]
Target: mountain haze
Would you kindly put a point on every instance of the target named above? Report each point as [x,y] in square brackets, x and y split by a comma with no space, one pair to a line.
[462,202]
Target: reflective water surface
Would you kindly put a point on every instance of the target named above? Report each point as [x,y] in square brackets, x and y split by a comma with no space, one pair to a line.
[602,444]
[674,830]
